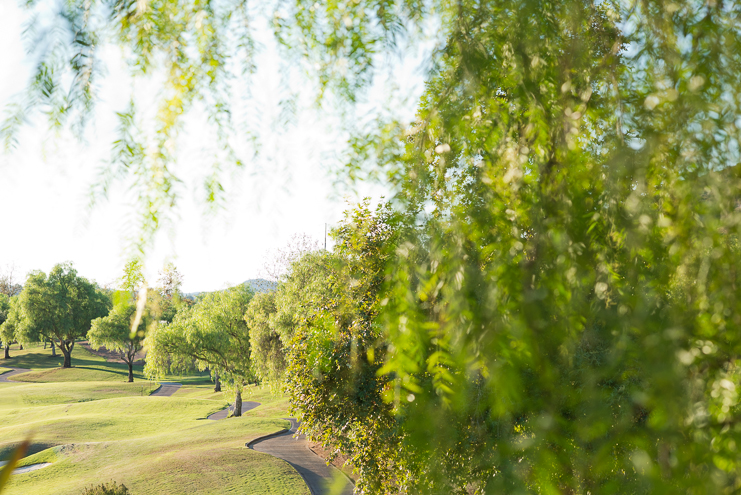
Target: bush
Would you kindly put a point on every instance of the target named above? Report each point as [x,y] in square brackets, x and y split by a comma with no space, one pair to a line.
[111,488]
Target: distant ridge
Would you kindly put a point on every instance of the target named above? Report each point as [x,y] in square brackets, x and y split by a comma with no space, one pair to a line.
[261,284]
[256,284]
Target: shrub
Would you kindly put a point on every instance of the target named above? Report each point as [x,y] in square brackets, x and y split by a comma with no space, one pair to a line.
[111,488]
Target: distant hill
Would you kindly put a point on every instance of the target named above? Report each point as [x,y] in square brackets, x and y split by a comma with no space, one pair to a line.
[256,284]
[260,284]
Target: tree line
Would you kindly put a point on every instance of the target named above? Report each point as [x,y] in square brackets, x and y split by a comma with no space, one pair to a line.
[62,308]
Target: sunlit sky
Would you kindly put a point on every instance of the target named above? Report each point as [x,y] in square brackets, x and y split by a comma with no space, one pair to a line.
[289,189]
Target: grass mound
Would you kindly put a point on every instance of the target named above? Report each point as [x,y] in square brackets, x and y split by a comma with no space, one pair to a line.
[96,430]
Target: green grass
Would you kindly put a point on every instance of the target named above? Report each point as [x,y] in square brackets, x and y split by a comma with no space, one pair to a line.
[21,395]
[95,431]
[47,455]
[4,370]
[86,366]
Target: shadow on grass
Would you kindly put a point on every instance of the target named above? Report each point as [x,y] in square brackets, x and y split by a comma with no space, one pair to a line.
[85,366]
[34,448]
[34,358]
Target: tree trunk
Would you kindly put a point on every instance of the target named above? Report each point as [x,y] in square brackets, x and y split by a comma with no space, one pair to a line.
[45,342]
[131,371]
[67,352]
[217,383]
[7,351]
[238,404]
[21,347]
[53,348]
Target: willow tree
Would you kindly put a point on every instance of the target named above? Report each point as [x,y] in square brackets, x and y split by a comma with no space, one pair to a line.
[267,350]
[213,333]
[564,311]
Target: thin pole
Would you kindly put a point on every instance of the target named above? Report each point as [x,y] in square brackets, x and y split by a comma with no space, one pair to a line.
[325,236]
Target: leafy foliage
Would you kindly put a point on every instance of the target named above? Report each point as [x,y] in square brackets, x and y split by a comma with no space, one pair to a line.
[111,488]
[115,332]
[11,316]
[268,357]
[336,349]
[213,333]
[4,308]
[571,165]
[204,51]
[59,306]
[133,279]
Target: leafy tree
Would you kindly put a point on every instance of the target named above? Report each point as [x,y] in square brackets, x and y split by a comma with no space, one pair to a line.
[15,326]
[7,332]
[160,308]
[61,305]
[116,334]
[334,348]
[268,355]
[133,279]
[214,333]
[167,300]
[561,178]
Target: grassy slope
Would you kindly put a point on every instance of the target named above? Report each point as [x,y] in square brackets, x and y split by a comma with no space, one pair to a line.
[86,366]
[97,431]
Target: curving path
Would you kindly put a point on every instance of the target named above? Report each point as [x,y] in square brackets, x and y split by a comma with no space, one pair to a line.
[246,406]
[166,389]
[294,449]
[14,371]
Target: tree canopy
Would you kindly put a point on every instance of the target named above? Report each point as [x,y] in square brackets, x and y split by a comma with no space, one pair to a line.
[115,332]
[268,356]
[212,332]
[60,306]
[7,332]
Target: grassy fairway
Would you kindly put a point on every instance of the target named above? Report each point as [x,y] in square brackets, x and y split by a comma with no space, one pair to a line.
[86,366]
[95,431]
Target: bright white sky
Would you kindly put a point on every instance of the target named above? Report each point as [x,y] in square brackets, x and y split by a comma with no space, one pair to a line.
[44,185]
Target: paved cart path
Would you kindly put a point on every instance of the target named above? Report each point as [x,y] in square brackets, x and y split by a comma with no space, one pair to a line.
[166,389]
[246,406]
[15,371]
[294,449]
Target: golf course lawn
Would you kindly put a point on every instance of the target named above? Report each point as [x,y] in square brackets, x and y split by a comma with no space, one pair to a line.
[94,427]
